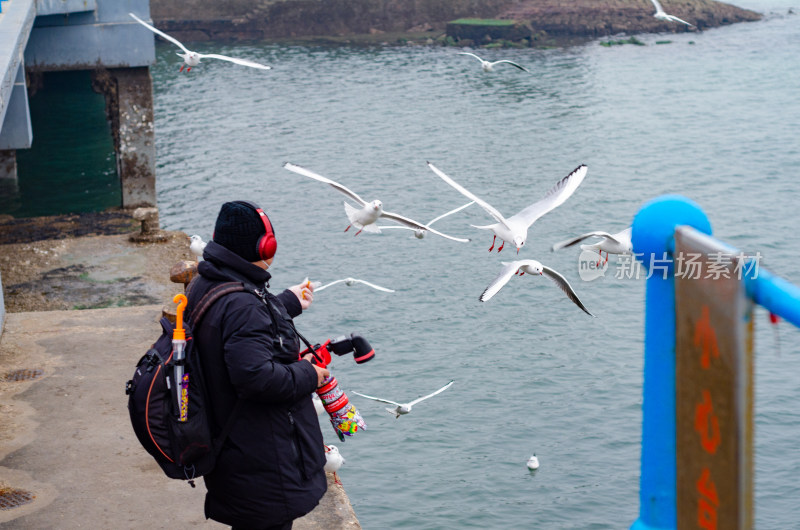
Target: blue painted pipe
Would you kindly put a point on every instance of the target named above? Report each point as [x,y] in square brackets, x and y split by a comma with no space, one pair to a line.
[653,239]
[774,294]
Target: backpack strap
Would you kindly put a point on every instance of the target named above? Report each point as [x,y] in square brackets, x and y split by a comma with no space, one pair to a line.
[208,299]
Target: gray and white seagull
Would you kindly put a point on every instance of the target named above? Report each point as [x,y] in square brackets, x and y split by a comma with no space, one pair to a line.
[488,66]
[515,228]
[191,58]
[662,15]
[364,217]
[419,233]
[404,408]
[531,266]
[352,281]
[619,243]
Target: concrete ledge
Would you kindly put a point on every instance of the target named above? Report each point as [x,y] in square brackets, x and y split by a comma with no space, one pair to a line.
[66,438]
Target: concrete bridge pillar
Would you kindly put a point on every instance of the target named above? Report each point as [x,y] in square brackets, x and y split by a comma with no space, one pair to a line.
[129,105]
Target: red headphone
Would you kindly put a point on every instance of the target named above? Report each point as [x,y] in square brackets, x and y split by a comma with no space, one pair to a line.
[267,244]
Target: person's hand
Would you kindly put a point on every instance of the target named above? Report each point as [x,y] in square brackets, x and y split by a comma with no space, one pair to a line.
[304,293]
[322,373]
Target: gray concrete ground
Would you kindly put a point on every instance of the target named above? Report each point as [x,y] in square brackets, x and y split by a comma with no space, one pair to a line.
[65,436]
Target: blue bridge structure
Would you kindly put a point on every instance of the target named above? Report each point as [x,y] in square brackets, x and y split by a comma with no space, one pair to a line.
[39,36]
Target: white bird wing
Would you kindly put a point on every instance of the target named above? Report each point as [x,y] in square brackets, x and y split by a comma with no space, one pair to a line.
[451,212]
[377,398]
[471,55]
[378,287]
[578,239]
[445,387]
[321,287]
[395,227]
[658,7]
[505,274]
[243,62]
[310,174]
[491,210]
[676,19]
[554,197]
[417,225]
[564,285]
[512,63]
[173,40]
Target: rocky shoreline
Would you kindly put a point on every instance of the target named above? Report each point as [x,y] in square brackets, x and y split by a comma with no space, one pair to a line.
[548,21]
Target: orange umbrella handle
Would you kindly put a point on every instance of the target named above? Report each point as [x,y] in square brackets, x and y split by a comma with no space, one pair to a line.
[179,333]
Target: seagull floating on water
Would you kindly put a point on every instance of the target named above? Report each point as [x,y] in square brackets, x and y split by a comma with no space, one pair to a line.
[662,15]
[488,66]
[349,282]
[619,243]
[364,218]
[404,408]
[333,461]
[515,228]
[420,233]
[531,266]
[533,462]
[191,58]
[197,246]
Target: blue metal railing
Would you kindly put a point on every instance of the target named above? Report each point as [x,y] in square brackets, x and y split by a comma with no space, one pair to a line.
[653,240]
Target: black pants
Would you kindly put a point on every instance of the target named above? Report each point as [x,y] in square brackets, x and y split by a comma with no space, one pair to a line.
[284,526]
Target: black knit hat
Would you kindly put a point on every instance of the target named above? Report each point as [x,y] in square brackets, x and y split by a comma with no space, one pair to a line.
[238,229]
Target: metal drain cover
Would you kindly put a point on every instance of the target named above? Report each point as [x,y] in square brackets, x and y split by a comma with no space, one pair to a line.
[11,498]
[23,375]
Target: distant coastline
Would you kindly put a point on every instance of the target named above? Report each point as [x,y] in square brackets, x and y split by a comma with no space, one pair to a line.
[549,21]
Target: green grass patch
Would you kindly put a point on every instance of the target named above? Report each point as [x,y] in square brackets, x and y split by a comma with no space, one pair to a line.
[484,22]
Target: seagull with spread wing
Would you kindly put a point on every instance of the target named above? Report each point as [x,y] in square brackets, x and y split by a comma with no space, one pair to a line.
[191,58]
[488,66]
[619,243]
[662,15]
[353,281]
[404,408]
[531,266]
[364,217]
[419,233]
[515,228]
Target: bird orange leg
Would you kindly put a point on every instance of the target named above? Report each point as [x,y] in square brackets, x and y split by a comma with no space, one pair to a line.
[501,246]
[182,65]
[188,68]
[336,478]
[606,261]
[493,239]
[358,232]
[348,228]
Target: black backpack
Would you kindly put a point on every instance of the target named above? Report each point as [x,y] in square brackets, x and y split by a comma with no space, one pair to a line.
[183,449]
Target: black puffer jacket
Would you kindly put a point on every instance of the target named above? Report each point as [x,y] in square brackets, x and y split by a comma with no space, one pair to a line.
[270,469]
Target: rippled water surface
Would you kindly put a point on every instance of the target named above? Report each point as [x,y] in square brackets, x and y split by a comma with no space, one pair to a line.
[714,116]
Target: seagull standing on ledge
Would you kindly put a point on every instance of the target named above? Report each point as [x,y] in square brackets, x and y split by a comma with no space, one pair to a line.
[531,266]
[404,408]
[515,228]
[488,66]
[191,58]
[660,14]
[365,217]
[197,246]
[333,461]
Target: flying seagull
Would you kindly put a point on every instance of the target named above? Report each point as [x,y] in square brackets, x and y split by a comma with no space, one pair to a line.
[619,243]
[351,281]
[404,408]
[488,66]
[191,58]
[419,233]
[662,15]
[531,266]
[365,217]
[515,228]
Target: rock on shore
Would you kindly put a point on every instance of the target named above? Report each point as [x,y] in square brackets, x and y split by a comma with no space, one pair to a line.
[273,19]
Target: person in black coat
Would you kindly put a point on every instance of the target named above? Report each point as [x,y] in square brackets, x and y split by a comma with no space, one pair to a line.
[270,469]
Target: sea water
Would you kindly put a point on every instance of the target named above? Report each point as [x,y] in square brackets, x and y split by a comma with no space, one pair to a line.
[714,116]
